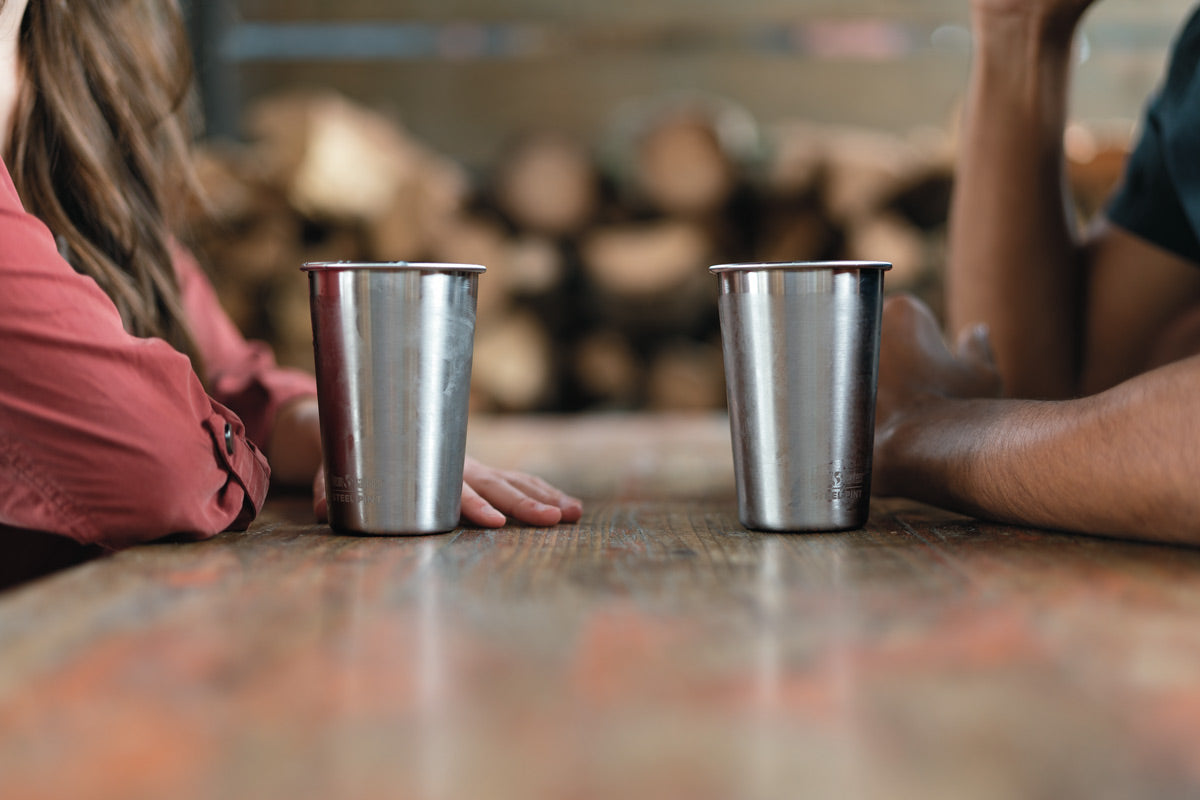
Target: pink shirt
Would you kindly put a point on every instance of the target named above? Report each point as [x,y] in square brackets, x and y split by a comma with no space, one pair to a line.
[111,439]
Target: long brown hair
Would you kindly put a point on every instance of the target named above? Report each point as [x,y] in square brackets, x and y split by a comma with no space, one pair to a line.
[100,147]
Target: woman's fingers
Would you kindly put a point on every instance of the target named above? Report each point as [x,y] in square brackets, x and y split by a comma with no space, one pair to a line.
[490,494]
[507,498]
[524,497]
[478,510]
[570,508]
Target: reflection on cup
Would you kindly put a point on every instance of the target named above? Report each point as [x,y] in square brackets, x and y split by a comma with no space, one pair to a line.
[801,347]
[393,345]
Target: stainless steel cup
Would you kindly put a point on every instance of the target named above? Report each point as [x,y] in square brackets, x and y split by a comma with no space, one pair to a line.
[393,345]
[801,345]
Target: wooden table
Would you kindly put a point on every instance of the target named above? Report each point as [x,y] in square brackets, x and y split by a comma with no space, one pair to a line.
[655,650]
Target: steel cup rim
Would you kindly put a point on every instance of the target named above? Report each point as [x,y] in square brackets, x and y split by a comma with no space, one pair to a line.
[753,266]
[384,266]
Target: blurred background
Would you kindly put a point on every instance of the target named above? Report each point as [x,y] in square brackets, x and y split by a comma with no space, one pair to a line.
[598,156]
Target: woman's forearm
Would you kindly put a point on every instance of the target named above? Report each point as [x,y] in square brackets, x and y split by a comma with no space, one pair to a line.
[1012,260]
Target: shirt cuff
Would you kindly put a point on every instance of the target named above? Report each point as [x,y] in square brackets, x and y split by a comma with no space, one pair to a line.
[245,463]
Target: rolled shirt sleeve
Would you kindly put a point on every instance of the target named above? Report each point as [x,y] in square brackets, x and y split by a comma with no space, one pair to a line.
[107,438]
[241,374]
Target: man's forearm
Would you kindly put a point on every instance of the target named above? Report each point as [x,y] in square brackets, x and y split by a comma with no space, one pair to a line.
[1012,261]
[1121,463]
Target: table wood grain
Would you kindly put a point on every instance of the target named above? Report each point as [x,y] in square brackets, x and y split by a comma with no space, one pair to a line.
[654,650]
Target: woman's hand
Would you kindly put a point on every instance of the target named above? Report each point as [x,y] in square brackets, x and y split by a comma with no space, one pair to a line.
[490,494]
[294,450]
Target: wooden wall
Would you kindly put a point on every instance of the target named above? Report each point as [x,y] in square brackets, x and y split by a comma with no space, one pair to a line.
[584,62]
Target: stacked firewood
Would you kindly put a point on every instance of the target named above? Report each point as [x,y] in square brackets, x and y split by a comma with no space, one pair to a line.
[597,294]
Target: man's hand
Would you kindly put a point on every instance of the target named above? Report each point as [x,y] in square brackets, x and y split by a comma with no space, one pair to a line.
[489,494]
[916,371]
[1118,463]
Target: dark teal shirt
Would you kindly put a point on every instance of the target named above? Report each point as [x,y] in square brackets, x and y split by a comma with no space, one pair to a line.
[1159,199]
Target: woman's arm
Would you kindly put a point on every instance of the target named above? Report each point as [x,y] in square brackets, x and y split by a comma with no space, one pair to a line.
[277,404]
[104,437]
